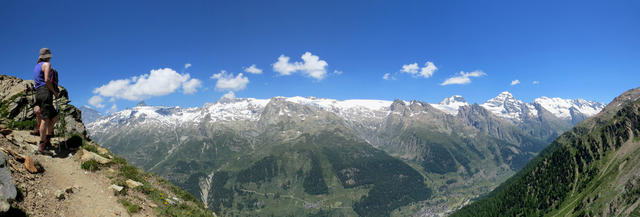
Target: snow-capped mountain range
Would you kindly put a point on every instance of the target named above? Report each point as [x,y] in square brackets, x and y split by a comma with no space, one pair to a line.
[505,106]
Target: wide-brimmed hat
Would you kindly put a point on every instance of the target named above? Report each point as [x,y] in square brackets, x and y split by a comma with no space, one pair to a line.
[44,53]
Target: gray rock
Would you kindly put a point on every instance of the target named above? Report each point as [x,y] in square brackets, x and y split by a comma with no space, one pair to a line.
[116,187]
[169,201]
[59,194]
[7,187]
[4,206]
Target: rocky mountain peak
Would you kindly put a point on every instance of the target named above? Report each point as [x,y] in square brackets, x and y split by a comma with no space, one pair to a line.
[397,105]
[505,105]
[504,98]
[566,108]
[453,100]
[451,105]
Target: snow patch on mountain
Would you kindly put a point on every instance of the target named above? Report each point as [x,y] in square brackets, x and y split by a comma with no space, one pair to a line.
[506,106]
[351,110]
[361,112]
[451,105]
[562,107]
[239,109]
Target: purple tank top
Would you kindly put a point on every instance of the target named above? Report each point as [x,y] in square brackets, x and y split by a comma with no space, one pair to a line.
[38,75]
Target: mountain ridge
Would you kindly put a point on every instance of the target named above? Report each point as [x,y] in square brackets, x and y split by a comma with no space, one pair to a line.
[503,105]
[580,173]
[235,137]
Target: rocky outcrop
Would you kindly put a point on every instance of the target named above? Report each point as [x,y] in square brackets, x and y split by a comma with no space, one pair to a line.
[7,188]
[17,105]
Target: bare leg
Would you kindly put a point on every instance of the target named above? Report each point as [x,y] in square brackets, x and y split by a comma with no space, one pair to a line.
[43,129]
[36,131]
[52,122]
[37,111]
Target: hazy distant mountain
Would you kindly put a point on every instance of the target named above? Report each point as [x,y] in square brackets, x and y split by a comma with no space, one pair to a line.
[235,151]
[590,170]
[89,115]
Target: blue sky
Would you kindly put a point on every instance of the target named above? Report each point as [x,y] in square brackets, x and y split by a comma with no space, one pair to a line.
[574,49]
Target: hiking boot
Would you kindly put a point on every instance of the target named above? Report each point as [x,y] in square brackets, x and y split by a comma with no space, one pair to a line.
[41,147]
[48,145]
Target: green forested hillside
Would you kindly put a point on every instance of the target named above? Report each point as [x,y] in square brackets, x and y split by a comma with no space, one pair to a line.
[588,171]
[324,172]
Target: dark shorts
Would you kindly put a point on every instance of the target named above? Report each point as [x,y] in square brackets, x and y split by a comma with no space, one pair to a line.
[44,99]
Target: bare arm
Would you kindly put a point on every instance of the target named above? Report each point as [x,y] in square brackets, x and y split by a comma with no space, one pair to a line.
[46,67]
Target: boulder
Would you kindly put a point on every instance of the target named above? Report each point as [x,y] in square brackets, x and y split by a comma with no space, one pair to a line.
[87,155]
[116,187]
[23,136]
[132,184]
[7,187]
[102,150]
[169,201]
[72,117]
[59,194]
[32,165]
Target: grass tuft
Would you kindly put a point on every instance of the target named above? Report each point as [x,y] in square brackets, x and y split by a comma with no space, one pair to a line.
[131,172]
[131,208]
[91,165]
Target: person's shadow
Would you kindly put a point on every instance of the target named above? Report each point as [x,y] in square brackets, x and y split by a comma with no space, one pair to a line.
[69,146]
[14,212]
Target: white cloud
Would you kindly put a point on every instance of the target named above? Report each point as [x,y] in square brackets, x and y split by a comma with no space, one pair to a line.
[283,66]
[311,66]
[188,65]
[535,82]
[426,71]
[227,81]
[410,68]
[158,82]
[191,86]
[387,76]
[337,72]
[514,82]
[96,101]
[253,69]
[229,95]
[463,77]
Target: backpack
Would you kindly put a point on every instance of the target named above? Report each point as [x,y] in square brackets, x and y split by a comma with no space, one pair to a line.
[54,79]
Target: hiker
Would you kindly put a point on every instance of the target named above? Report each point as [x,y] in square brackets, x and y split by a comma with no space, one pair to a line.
[44,77]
